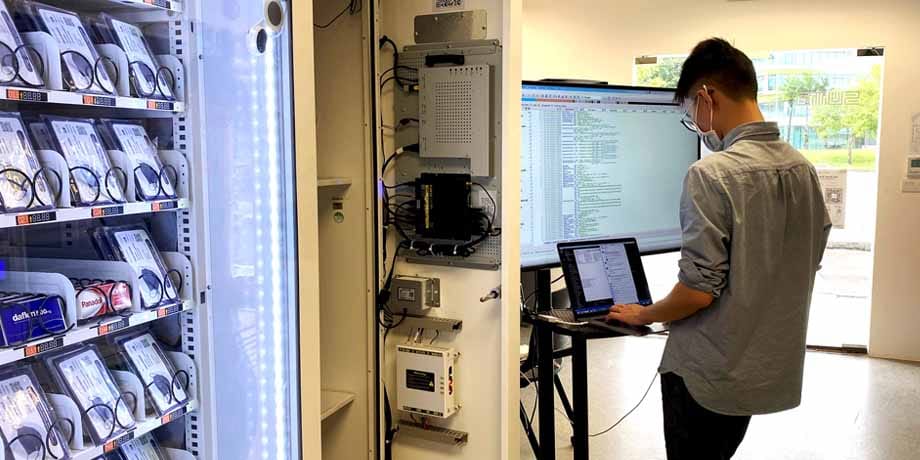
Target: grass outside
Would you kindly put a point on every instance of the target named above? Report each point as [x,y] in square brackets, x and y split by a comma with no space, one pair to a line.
[863,159]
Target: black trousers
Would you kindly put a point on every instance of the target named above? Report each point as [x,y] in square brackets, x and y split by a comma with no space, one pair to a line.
[692,432]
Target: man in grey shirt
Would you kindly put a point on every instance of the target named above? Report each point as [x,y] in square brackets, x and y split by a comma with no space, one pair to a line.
[754,230]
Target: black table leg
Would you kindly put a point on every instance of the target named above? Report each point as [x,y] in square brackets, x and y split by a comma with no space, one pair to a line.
[580,396]
[545,392]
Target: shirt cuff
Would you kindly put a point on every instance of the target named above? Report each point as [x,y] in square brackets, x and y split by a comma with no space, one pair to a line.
[701,278]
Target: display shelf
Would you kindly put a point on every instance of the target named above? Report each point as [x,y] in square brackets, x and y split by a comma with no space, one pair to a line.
[90,212]
[48,96]
[88,332]
[333,182]
[333,401]
[140,429]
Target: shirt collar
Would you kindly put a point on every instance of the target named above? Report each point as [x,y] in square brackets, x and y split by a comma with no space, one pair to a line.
[757,130]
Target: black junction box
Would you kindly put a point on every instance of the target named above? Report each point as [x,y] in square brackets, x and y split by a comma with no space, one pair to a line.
[443,202]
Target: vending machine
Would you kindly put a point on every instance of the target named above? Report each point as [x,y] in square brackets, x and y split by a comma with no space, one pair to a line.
[148,263]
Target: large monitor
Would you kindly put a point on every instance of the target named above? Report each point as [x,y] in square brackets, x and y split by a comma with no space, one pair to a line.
[600,161]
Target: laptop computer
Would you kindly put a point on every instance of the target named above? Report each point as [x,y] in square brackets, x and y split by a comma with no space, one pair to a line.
[600,274]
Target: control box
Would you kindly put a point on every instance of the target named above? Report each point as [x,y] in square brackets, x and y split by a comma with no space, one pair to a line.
[425,380]
[415,293]
[454,117]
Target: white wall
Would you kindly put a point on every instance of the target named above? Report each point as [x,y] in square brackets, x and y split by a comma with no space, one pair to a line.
[599,39]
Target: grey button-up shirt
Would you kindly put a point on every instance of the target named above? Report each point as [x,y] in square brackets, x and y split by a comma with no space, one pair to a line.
[754,231]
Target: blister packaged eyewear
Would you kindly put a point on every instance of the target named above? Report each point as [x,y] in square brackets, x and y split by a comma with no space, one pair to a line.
[83,69]
[148,77]
[18,62]
[165,387]
[27,421]
[132,244]
[93,179]
[83,375]
[23,184]
[150,177]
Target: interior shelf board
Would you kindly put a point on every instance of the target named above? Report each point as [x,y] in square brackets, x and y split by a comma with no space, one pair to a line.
[333,401]
[333,182]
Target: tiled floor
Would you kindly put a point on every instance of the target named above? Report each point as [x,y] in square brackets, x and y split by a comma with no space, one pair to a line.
[853,407]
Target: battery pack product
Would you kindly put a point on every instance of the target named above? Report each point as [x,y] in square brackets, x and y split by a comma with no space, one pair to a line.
[82,374]
[133,245]
[92,178]
[101,298]
[23,72]
[148,78]
[27,421]
[165,388]
[151,180]
[143,447]
[22,181]
[25,317]
[79,58]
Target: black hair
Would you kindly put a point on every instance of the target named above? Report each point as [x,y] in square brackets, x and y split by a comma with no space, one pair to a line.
[717,62]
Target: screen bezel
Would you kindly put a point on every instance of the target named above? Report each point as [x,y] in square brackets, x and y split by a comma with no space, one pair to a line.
[582,85]
[576,299]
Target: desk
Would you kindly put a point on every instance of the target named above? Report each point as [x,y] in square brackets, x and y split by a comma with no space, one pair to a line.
[580,335]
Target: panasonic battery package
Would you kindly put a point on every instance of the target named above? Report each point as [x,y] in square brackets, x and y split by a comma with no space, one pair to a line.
[23,185]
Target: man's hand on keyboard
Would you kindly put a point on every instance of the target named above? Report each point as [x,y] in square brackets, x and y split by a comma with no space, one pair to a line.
[630,314]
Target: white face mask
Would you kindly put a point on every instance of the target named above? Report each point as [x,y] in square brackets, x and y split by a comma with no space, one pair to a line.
[710,138]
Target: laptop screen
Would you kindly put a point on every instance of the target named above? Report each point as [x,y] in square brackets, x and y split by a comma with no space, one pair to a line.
[603,273]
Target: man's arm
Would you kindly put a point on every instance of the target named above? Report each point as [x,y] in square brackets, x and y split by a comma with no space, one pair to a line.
[682,302]
[705,222]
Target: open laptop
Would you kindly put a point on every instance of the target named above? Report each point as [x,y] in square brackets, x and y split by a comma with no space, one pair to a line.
[600,274]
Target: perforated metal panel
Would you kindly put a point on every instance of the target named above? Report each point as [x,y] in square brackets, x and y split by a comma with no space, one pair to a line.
[454,115]
[477,54]
[454,123]
[186,244]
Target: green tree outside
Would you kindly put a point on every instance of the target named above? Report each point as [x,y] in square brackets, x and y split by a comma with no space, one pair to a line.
[797,90]
[664,74]
[857,121]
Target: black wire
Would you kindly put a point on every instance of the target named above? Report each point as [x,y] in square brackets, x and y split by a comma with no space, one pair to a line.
[654,377]
[411,82]
[536,400]
[402,184]
[385,40]
[404,67]
[353,7]
[534,292]
[494,207]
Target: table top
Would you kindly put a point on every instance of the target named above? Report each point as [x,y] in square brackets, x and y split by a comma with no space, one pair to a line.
[589,331]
